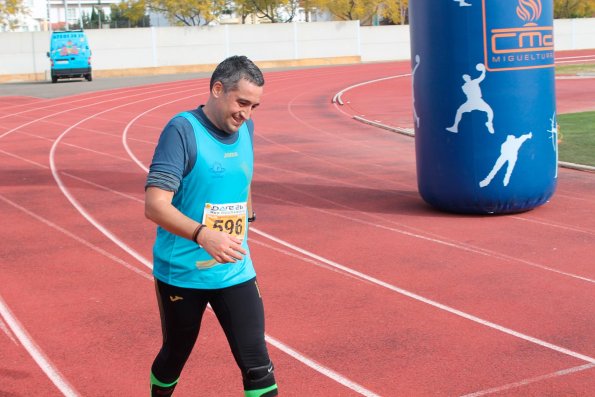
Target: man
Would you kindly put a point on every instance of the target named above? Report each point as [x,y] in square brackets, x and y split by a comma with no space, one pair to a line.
[198,193]
[474,100]
[417,62]
[509,153]
[462,3]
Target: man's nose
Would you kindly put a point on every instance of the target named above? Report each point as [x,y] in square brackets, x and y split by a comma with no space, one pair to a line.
[245,113]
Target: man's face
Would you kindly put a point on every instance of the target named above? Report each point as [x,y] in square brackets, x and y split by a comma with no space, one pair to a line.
[235,106]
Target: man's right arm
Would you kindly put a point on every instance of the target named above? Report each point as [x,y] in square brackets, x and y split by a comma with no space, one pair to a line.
[171,161]
[159,209]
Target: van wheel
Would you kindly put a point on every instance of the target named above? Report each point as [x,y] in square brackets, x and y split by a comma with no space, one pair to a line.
[89,77]
[54,79]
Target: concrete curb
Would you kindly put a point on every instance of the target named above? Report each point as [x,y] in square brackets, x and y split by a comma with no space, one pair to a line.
[404,131]
[410,132]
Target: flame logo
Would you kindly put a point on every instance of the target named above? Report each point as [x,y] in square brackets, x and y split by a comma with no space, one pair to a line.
[529,11]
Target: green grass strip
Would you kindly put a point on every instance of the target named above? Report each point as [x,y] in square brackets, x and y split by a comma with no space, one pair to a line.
[577,138]
[576,69]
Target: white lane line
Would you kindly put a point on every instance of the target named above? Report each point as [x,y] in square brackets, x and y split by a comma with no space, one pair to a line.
[338,96]
[576,60]
[555,224]
[592,56]
[75,237]
[70,110]
[303,258]
[526,382]
[16,156]
[36,353]
[125,159]
[105,188]
[430,302]
[6,330]
[55,102]
[76,204]
[321,368]
[417,234]
[125,132]
[273,341]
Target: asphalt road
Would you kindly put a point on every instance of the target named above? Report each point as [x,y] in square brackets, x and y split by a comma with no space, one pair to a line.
[45,89]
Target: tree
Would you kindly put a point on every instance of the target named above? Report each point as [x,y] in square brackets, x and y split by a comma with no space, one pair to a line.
[274,10]
[189,12]
[395,11]
[242,8]
[351,10]
[574,8]
[131,14]
[309,6]
[96,20]
[9,10]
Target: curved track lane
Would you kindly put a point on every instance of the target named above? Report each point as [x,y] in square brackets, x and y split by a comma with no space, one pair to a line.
[368,291]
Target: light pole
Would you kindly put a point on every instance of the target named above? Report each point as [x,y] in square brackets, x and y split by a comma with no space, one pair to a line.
[49,25]
[402,12]
[80,16]
[65,14]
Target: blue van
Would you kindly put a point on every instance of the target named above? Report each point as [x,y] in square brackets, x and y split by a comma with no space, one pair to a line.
[70,55]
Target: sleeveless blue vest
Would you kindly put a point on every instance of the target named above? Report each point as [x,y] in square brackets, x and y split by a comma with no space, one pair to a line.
[221,175]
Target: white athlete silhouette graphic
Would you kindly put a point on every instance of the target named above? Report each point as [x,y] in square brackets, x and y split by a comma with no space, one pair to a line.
[509,152]
[462,3]
[554,138]
[417,61]
[474,100]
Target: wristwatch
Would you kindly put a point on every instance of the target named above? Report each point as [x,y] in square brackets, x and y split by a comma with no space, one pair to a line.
[253,217]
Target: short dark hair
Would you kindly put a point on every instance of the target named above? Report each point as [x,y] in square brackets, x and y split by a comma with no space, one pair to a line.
[233,69]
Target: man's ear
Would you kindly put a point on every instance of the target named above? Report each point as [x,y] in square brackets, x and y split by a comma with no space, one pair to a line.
[217,89]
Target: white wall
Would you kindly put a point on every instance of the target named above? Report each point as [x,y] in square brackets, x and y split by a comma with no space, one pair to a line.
[574,34]
[125,49]
[381,43]
[326,39]
[24,53]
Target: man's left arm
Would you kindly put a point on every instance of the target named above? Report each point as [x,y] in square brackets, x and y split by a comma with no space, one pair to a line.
[251,213]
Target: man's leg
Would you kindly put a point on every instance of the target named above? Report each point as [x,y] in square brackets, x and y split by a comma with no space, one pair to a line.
[181,312]
[464,108]
[499,163]
[241,314]
[509,169]
[490,114]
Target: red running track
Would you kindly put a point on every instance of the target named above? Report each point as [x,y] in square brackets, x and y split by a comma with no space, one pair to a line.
[367,290]
[374,100]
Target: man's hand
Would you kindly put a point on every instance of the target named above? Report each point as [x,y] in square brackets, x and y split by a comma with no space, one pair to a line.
[223,247]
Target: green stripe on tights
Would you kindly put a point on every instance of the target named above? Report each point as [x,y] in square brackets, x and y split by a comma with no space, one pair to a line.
[259,392]
[155,381]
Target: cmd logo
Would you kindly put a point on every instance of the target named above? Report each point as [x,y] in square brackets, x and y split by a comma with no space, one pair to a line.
[514,36]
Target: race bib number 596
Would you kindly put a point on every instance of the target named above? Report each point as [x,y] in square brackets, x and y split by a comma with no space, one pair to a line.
[227,218]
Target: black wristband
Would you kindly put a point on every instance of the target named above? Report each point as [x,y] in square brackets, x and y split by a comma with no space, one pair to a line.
[253,217]
[196,233]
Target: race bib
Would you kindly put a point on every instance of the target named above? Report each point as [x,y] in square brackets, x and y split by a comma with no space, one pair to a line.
[227,218]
